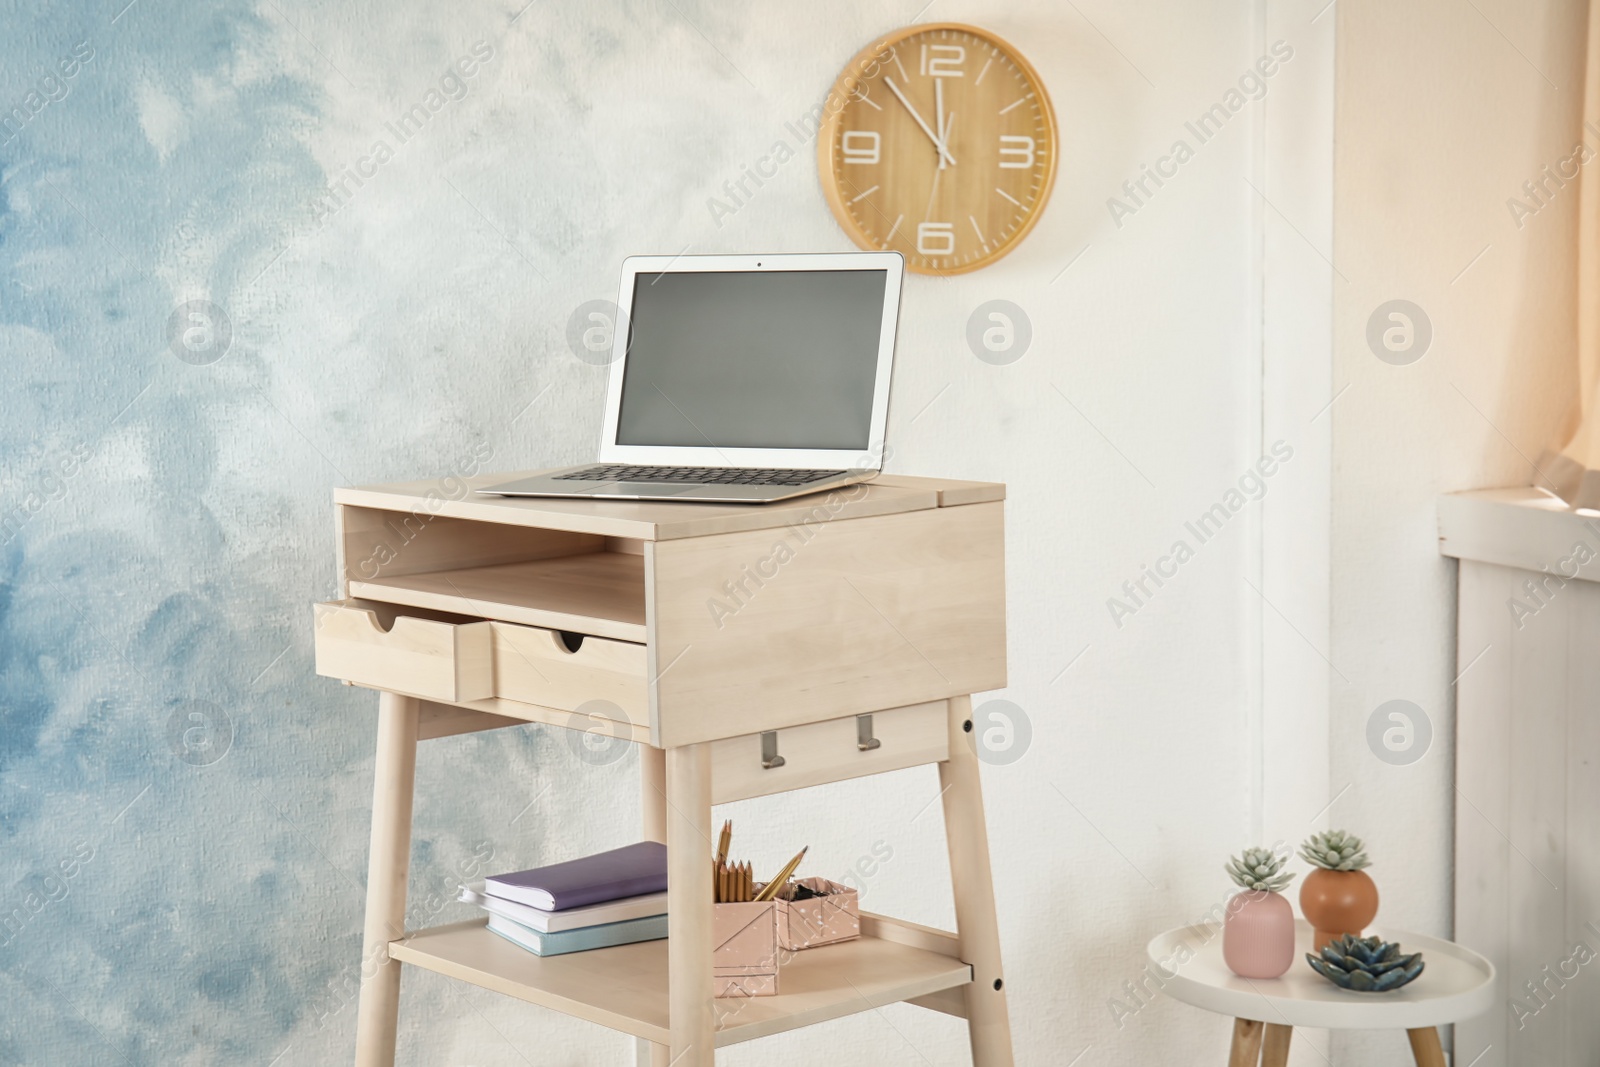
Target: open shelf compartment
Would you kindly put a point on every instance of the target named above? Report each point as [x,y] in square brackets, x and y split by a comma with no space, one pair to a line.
[625,988]
[557,579]
[599,593]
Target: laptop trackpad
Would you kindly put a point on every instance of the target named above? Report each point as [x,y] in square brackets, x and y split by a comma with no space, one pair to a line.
[638,489]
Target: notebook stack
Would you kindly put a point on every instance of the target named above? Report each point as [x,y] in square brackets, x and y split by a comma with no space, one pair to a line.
[611,898]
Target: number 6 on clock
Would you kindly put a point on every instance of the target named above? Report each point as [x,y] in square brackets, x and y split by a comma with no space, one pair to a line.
[936,238]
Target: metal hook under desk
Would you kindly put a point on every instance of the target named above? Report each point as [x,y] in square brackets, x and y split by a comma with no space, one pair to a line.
[769,750]
[864,739]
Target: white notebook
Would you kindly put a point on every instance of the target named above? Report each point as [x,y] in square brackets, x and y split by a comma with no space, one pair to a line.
[608,935]
[550,922]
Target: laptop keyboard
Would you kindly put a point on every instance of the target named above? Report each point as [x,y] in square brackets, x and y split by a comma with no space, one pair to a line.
[621,472]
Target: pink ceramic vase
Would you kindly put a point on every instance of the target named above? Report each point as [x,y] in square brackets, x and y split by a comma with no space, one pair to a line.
[1258,935]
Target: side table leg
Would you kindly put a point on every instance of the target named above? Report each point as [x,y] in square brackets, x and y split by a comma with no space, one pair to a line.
[1275,1049]
[1246,1043]
[1425,1047]
[988,1022]
[689,906]
[388,867]
[653,809]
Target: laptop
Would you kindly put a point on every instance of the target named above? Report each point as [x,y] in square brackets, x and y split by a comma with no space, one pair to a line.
[741,380]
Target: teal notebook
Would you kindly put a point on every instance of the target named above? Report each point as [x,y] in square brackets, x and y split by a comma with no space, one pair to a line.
[582,939]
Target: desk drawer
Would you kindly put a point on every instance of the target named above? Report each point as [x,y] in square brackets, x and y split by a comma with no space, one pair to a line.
[569,671]
[407,650]
[457,659]
[830,751]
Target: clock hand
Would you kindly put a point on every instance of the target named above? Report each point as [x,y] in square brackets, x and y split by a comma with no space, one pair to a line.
[944,153]
[939,120]
[933,192]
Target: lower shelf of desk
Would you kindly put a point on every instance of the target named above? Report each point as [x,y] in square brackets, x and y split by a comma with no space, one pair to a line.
[625,988]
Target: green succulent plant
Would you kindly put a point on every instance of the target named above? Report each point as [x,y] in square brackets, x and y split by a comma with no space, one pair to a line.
[1259,869]
[1366,964]
[1335,850]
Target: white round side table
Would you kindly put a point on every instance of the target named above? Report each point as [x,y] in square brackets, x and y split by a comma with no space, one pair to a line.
[1456,983]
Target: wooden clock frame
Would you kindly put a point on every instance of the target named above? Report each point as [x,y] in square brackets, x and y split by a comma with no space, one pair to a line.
[846,86]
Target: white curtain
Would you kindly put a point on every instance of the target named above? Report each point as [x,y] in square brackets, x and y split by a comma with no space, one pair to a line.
[1574,470]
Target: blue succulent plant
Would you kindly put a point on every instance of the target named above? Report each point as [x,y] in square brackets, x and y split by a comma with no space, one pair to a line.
[1365,964]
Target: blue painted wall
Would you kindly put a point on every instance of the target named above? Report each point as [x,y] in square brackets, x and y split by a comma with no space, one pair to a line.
[207,319]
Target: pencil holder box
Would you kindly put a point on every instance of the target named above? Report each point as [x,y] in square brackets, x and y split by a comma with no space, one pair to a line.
[832,916]
[744,956]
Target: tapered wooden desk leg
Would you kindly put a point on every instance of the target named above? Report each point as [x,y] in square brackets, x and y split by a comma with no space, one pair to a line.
[1246,1043]
[1275,1048]
[689,906]
[653,808]
[1425,1047]
[388,866]
[988,1023]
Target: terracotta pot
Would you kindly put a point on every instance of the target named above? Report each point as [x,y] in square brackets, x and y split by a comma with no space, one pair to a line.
[1258,935]
[1337,902]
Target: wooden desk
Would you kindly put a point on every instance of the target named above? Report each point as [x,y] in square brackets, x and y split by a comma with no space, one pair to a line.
[710,635]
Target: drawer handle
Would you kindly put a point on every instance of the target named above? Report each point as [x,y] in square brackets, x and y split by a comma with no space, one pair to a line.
[769,751]
[864,739]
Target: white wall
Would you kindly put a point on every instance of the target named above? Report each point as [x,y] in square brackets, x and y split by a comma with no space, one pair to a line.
[1444,110]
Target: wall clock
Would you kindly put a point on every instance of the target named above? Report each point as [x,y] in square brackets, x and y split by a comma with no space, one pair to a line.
[939,143]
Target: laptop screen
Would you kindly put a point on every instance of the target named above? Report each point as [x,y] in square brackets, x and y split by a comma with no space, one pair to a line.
[752,359]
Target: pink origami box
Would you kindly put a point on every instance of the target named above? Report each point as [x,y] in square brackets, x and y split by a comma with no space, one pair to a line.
[744,954]
[832,916]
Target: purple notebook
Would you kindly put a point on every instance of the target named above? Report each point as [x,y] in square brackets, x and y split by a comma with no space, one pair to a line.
[622,872]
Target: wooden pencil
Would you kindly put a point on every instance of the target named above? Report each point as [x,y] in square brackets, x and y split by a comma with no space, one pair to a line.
[783,876]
